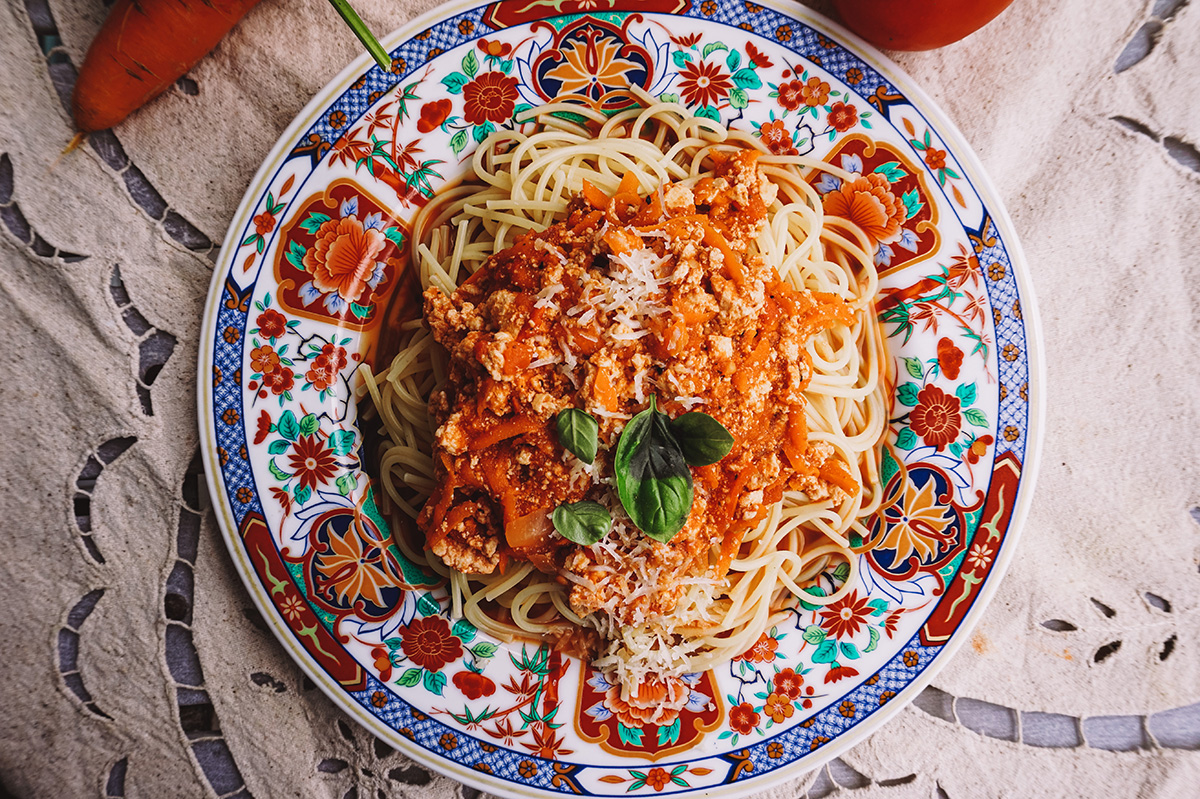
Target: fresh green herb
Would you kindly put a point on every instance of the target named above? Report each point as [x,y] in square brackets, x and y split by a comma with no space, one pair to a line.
[582,522]
[578,432]
[702,439]
[654,482]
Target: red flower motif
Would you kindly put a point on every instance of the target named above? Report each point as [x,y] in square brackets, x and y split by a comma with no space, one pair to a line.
[434,114]
[704,84]
[844,617]
[264,428]
[686,41]
[429,643]
[312,461]
[474,685]
[271,324]
[743,719]
[978,448]
[280,380]
[842,117]
[762,651]
[788,683]
[890,621]
[657,778]
[489,98]
[264,223]
[840,673]
[790,95]
[949,358]
[936,418]
[494,48]
[935,158]
[777,137]
[383,663]
[757,57]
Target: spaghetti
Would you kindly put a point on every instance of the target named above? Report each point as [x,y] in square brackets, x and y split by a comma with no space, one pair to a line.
[567,271]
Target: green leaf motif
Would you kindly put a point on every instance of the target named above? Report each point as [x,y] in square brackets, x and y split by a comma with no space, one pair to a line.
[579,432]
[912,203]
[702,439]
[434,681]
[629,735]
[709,49]
[841,572]
[956,449]
[309,424]
[484,650]
[747,78]
[410,678]
[470,63]
[584,523]
[341,441]
[278,447]
[654,482]
[464,631]
[814,590]
[814,634]
[878,606]
[913,367]
[887,467]
[709,112]
[455,81]
[360,311]
[289,428]
[346,483]
[302,494]
[891,170]
[733,60]
[280,474]
[394,643]
[826,652]
[506,66]
[314,222]
[739,99]
[976,417]
[295,255]
[395,235]
[669,97]
[966,393]
[874,640]
[906,439]
[481,132]
[427,605]
[681,57]
[850,650]
[669,734]
[907,394]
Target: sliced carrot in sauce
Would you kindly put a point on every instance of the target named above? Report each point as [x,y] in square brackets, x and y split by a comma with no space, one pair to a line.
[621,241]
[596,198]
[603,390]
[834,472]
[504,430]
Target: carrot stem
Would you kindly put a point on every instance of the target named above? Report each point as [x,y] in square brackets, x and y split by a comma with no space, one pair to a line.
[350,16]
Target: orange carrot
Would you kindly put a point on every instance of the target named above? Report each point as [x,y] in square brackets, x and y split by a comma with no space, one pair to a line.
[596,198]
[143,48]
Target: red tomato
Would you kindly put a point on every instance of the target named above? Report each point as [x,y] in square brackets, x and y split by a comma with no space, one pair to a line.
[917,24]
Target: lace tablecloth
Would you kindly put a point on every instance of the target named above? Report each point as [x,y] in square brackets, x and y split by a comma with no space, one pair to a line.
[133,661]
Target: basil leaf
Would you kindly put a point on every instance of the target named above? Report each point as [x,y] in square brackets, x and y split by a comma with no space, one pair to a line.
[579,433]
[653,479]
[702,439]
[582,522]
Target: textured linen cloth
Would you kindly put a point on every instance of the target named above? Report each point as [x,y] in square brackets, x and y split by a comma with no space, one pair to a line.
[133,661]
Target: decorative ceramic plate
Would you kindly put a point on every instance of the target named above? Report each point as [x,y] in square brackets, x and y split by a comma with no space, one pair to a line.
[288,325]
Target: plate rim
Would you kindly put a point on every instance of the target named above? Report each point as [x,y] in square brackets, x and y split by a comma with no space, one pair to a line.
[981,181]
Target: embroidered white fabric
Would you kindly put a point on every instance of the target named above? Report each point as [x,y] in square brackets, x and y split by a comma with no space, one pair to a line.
[133,663]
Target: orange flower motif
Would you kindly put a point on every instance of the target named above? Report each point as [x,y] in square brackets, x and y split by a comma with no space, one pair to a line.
[842,117]
[815,92]
[762,651]
[491,97]
[434,114]
[657,778]
[264,223]
[592,67]
[869,202]
[429,643]
[494,48]
[777,137]
[949,358]
[936,418]
[658,701]
[778,708]
[916,524]
[978,448]
[344,257]
[264,359]
[935,158]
